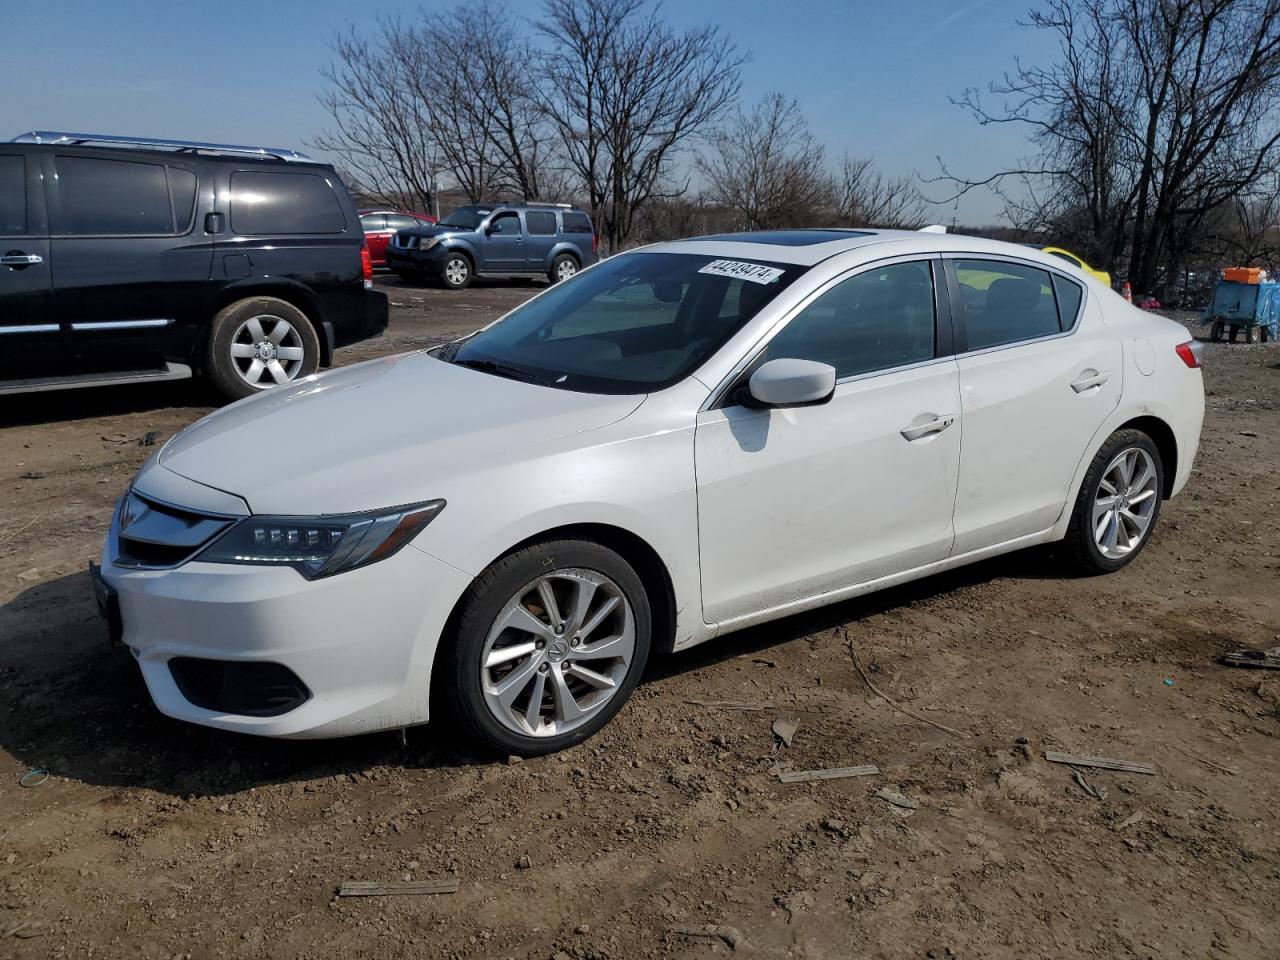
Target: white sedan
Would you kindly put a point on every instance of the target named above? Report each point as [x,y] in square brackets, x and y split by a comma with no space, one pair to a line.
[679,442]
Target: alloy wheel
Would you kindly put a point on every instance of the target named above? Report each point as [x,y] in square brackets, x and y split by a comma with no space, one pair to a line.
[1125,503]
[266,351]
[455,271]
[565,269]
[557,652]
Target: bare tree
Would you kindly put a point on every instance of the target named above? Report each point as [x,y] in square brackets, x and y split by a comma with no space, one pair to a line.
[865,197]
[385,139]
[625,92]
[1157,113]
[766,166]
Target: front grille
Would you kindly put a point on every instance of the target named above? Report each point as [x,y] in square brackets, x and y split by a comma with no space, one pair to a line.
[409,242]
[252,689]
[149,533]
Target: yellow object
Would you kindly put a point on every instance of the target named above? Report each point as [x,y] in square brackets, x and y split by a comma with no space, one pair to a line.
[1071,258]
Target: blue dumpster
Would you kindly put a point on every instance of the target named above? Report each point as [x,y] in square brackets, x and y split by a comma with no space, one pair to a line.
[1250,307]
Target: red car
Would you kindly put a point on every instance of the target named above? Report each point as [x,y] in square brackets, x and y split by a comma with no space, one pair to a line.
[381,225]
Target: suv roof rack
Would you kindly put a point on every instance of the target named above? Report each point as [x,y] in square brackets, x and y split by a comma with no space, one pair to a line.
[56,137]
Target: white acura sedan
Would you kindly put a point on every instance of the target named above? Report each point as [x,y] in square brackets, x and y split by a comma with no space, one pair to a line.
[679,442]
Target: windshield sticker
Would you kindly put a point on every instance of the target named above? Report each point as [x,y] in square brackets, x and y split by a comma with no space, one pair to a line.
[754,272]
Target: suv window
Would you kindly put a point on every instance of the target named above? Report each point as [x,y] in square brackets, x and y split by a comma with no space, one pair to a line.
[1006,302]
[505,224]
[182,184]
[875,320]
[13,197]
[577,223]
[113,197]
[284,203]
[541,223]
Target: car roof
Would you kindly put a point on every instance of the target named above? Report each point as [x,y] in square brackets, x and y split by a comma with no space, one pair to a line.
[812,246]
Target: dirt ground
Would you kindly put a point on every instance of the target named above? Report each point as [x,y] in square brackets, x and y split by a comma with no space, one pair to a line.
[153,839]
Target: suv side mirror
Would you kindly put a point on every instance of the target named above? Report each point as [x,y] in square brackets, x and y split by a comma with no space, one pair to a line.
[788,382]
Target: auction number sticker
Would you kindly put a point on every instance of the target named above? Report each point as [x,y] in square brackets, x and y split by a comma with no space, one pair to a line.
[755,272]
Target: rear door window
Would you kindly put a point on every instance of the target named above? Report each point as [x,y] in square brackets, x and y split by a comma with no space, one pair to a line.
[264,204]
[541,223]
[113,197]
[1004,303]
[876,320]
[13,196]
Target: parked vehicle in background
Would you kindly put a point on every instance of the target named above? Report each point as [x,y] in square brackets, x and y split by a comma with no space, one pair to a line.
[1100,275]
[685,440]
[381,225]
[510,239]
[127,259]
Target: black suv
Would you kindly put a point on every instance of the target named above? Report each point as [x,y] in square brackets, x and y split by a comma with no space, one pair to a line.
[555,240]
[126,259]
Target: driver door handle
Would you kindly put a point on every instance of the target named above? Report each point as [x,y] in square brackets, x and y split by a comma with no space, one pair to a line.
[20,259]
[1089,379]
[936,424]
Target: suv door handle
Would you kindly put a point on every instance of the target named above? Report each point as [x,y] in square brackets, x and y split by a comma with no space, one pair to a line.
[934,425]
[20,259]
[1089,379]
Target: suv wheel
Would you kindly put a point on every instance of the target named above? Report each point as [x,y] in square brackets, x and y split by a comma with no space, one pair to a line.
[562,268]
[456,272]
[1118,503]
[550,642]
[260,343]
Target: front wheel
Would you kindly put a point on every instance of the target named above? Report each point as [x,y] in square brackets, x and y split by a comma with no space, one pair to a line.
[456,272]
[1215,332]
[562,268]
[1118,503]
[550,642]
[1253,334]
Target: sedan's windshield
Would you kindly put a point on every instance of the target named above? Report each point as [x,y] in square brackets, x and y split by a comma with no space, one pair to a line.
[636,323]
[468,218]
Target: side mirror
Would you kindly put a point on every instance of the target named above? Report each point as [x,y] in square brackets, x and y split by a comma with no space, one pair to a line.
[792,383]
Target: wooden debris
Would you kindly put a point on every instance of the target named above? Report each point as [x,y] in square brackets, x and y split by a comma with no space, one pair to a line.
[1098,793]
[717,931]
[830,773]
[1254,659]
[397,888]
[1104,763]
[1136,817]
[1208,763]
[729,704]
[897,799]
[888,699]
[784,728]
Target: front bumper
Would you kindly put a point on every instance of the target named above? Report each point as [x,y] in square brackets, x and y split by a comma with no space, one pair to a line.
[415,260]
[363,642]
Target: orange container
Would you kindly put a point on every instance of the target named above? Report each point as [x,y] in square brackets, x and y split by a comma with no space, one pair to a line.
[1243,274]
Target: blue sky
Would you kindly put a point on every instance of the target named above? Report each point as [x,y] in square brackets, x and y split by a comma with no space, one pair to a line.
[873,78]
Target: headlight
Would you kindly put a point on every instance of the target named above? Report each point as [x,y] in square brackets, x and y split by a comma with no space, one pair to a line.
[321,546]
[426,243]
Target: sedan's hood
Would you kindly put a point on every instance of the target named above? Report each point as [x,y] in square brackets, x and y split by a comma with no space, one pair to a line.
[376,434]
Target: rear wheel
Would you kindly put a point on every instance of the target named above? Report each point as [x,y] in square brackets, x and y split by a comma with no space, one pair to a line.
[1233,333]
[1253,334]
[456,271]
[550,642]
[259,343]
[1215,332]
[562,268]
[1118,503]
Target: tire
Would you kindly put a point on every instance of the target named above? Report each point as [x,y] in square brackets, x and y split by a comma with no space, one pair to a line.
[259,330]
[456,272]
[1215,332]
[1233,333]
[563,267]
[1253,334]
[1089,530]
[511,591]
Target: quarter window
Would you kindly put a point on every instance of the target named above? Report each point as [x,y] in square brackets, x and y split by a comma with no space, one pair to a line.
[182,184]
[540,223]
[1006,302]
[13,197]
[577,223]
[284,203]
[113,197]
[1069,294]
[876,320]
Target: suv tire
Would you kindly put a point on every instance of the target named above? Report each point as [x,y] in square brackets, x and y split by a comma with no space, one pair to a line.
[563,267]
[456,272]
[470,675]
[1114,517]
[258,343]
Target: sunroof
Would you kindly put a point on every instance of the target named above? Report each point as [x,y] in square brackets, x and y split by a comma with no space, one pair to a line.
[790,238]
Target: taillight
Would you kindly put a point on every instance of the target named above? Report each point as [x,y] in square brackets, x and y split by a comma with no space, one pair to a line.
[366,264]
[1191,353]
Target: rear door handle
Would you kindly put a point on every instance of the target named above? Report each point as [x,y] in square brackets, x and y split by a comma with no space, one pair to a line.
[935,424]
[1089,379]
[20,259]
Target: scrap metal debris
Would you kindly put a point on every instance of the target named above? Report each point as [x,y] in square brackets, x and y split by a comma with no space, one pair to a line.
[1104,763]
